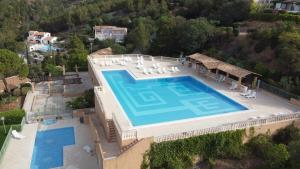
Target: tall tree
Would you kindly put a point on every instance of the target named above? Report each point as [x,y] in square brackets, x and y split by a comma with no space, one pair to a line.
[140,36]
[78,53]
[11,64]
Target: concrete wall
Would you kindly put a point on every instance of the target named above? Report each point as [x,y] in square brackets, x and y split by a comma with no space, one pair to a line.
[130,159]
[101,116]
[271,128]
[91,72]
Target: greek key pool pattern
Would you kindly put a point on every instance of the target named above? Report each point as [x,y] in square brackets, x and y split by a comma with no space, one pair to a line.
[166,99]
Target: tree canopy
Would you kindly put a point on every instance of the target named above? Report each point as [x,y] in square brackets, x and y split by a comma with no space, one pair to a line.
[11,64]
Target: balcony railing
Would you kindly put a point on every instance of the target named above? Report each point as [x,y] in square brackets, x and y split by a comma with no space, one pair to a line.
[228,127]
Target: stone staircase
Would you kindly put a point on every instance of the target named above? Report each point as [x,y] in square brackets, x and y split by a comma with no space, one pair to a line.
[112,131]
[125,148]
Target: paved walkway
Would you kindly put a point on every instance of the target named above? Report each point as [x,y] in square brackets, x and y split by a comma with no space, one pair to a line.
[19,152]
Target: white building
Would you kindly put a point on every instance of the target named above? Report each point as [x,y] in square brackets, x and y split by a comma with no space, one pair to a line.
[291,6]
[110,32]
[39,40]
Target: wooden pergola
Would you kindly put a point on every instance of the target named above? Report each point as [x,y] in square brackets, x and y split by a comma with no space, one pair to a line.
[214,64]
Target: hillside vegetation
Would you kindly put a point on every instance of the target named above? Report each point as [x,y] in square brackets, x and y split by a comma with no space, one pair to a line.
[162,27]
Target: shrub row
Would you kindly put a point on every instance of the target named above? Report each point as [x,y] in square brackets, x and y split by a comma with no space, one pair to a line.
[13,116]
[270,17]
[180,153]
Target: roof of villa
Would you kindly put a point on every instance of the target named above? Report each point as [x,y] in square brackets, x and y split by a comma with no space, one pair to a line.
[2,85]
[211,63]
[110,27]
[105,51]
[14,82]
[50,38]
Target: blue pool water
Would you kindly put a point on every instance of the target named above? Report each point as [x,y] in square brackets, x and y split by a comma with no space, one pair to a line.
[167,99]
[46,48]
[48,148]
[49,121]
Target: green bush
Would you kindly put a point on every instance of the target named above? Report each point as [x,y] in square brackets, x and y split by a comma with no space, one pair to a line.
[287,134]
[257,144]
[276,156]
[294,150]
[6,98]
[13,116]
[24,90]
[85,101]
[180,153]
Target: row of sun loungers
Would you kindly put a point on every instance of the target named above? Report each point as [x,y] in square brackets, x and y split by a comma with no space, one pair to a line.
[262,116]
[249,94]
[122,61]
[160,70]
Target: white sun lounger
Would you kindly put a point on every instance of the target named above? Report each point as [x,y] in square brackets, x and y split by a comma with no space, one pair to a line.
[248,92]
[252,95]
[145,71]
[157,65]
[150,71]
[159,71]
[176,69]
[164,70]
[173,69]
[17,135]
[154,66]
[102,63]
[87,148]
[233,86]
[252,118]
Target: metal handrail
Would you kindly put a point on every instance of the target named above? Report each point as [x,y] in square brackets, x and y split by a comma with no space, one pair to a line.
[5,144]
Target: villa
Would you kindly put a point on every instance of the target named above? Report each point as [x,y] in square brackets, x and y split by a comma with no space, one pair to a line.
[40,40]
[291,6]
[142,99]
[110,32]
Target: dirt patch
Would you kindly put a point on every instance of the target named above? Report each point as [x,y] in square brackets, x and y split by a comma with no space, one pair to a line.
[246,163]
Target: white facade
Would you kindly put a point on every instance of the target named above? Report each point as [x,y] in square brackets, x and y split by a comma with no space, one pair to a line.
[38,40]
[291,7]
[110,32]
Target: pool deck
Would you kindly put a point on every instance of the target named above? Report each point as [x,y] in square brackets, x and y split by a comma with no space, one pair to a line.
[19,152]
[265,104]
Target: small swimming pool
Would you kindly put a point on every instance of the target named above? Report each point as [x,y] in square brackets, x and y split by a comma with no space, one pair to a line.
[167,99]
[48,148]
[49,121]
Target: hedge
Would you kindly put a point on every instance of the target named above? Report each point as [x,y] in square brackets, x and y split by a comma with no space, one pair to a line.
[180,153]
[270,17]
[13,116]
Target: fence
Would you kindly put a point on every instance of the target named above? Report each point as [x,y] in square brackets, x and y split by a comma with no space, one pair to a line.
[278,91]
[228,127]
[128,134]
[18,127]
[5,144]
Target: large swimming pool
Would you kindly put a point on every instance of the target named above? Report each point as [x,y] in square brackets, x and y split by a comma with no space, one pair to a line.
[48,148]
[167,99]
